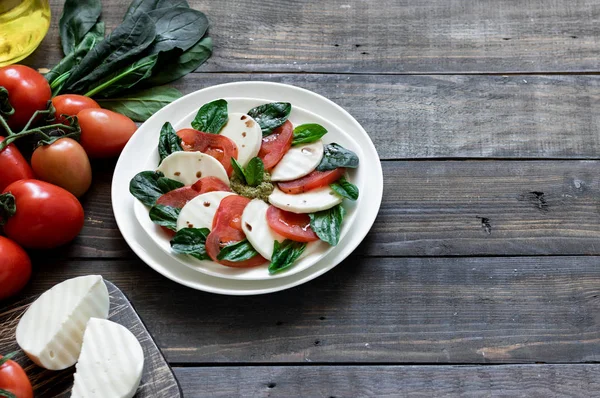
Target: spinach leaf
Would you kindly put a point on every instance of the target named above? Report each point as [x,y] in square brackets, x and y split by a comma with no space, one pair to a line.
[126,42]
[236,252]
[137,6]
[191,241]
[285,254]
[327,224]
[8,207]
[168,142]
[307,133]
[254,172]
[148,186]
[174,65]
[77,19]
[337,156]
[270,116]
[345,188]
[124,79]
[238,169]
[165,216]
[177,27]
[142,104]
[211,117]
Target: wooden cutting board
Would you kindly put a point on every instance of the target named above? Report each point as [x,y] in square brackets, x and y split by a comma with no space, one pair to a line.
[158,379]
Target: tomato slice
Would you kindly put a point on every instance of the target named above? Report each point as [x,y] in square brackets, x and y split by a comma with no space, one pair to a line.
[215,145]
[180,196]
[291,225]
[227,229]
[314,180]
[275,145]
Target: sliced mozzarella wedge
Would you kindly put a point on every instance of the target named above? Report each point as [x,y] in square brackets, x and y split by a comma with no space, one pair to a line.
[189,167]
[299,161]
[200,211]
[110,364]
[307,202]
[247,135]
[51,330]
[257,230]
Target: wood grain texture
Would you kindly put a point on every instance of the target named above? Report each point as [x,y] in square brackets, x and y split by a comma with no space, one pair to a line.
[433,208]
[531,381]
[157,379]
[387,36]
[378,310]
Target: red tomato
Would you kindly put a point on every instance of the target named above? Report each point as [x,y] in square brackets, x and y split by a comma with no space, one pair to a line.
[227,229]
[291,225]
[71,105]
[28,92]
[215,145]
[14,379]
[47,216]
[180,196]
[15,269]
[314,180]
[13,166]
[104,133]
[63,163]
[275,145]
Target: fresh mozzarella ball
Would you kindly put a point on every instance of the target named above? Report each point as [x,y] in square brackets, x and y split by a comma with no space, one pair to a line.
[299,161]
[257,229]
[200,211]
[189,167]
[306,202]
[247,135]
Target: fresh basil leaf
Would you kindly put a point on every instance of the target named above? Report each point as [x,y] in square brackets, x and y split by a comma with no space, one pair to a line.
[165,216]
[327,224]
[137,6]
[148,186]
[270,116]
[122,46]
[177,27]
[254,172]
[238,169]
[336,156]
[168,142]
[191,241]
[140,105]
[345,189]
[236,252]
[285,254]
[8,207]
[174,64]
[307,133]
[211,117]
[77,19]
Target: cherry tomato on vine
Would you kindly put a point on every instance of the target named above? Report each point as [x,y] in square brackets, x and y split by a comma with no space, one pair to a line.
[13,166]
[14,379]
[104,133]
[15,269]
[71,105]
[28,91]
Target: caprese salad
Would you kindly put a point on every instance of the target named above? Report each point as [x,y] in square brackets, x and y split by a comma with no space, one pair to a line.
[247,189]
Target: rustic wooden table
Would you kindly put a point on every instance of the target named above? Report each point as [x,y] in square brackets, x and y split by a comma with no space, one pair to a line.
[481,275]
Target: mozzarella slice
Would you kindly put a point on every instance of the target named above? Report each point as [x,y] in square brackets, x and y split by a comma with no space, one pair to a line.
[110,364]
[307,202]
[299,161]
[257,229]
[51,330]
[200,211]
[189,167]
[247,135]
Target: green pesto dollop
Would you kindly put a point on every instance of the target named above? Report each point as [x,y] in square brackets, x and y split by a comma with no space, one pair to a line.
[261,191]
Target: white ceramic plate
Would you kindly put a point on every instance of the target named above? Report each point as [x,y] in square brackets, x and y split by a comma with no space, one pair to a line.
[137,155]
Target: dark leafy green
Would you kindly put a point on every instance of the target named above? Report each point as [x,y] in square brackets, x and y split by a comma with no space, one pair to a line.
[337,156]
[285,254]
[168,142]
[345,188]
[148,186]
[238,169]
[191,241]
[254,172]
[307,133]
[146,6]
[6,108]
[236,252]
[165,216]
[77,19]
[8,207]
[177,27]
[327,224]
[211,117]
[140,105]
[124,79]
[270,116]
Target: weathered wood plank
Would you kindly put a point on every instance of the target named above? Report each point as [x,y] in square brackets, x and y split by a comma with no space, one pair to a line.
[387,36]
[448,208]
[534,381]
[403,310]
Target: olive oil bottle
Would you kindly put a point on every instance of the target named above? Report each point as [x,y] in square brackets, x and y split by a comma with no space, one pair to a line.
[23,25]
